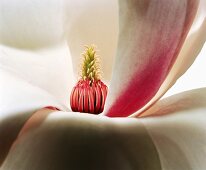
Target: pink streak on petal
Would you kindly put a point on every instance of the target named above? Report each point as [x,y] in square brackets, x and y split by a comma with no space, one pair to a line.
[151,36]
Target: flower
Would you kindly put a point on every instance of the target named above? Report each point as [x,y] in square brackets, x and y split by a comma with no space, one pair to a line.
[158,40]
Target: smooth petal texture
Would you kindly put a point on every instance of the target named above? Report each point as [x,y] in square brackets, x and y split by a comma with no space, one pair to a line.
[66,140]
[151,36]
[49,69]
[93,22]
[35,64]
[177,127]
[190,50]
[19,99]
[31,24]
[33,44]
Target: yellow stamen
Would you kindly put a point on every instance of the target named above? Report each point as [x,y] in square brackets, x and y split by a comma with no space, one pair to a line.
[90,69]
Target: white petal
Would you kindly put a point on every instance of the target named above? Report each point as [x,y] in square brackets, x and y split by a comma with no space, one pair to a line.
[177,127]
[31,24]
[33,45]
[65,140]
[19,99]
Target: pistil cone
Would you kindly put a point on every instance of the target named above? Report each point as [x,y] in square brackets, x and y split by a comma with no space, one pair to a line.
[89,94]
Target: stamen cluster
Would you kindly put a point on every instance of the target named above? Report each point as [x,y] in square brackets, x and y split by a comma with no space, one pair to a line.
[90,69]
[90,92]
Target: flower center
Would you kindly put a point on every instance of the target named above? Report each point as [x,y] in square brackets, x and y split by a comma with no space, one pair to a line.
[90,92]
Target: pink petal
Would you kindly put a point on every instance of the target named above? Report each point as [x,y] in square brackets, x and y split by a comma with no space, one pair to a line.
[151,36]
[190,50]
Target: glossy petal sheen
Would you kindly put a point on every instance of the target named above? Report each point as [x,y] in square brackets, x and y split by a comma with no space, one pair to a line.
[151,36]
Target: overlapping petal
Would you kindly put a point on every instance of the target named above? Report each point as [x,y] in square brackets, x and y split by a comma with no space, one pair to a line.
[33,45]
[152,34]
[190,50]
[66,140]
[19,99]
[177,127]
[175,124]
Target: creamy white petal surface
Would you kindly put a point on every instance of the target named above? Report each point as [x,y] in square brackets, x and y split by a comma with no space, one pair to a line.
[177,127]
[66,140]
[33,44]
[50,69]
[36,70]
[72,140]
[192,79]
[19,99]
[31,23]
[35,63]
[93,22]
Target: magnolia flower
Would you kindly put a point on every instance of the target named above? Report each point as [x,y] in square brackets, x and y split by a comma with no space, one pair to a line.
[157,42]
